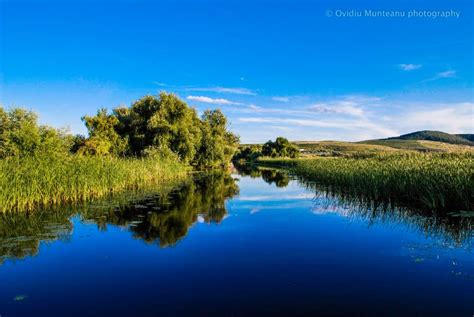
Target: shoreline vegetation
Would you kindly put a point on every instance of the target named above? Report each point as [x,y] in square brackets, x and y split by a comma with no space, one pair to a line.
[435,182]
[156,139]
[36,182]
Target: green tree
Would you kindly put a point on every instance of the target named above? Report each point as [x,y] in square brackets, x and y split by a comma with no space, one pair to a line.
[280,148]
[164,123]
[218,145]
[103,137]
[20,135]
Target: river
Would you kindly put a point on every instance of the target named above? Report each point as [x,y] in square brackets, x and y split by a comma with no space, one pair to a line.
[254,243]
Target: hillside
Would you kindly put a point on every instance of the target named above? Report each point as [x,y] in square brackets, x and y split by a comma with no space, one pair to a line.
[421,145]
[337,148]
[437,136]
[469,137]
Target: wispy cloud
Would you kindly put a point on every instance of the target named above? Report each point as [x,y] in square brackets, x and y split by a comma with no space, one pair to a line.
[343,125]
[441,75]
[451,118]
[226,90]
[160,84]
[215,101]
[446,74]
[281,99]
[409,67]
[351,119]
[342,107]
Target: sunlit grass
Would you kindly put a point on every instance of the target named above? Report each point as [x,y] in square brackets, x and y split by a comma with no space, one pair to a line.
[437,182]
[38,181]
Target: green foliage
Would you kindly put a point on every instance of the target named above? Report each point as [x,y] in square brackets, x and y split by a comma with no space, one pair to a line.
[217,144]
[30,182]
[165,122]
[103,138]
[248,153]
[434,182]
[163,125]
[20,135]
[280,148]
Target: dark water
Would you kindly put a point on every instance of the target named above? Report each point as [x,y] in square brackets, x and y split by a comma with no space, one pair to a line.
[259,245]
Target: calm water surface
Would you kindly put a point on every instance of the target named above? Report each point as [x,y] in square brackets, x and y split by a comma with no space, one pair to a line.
[235,245]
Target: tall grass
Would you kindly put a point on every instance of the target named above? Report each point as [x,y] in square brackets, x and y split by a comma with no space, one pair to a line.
[433,182]
[28,183]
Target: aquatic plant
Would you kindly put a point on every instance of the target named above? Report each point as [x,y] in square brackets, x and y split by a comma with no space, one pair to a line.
[431,181]
[31,182]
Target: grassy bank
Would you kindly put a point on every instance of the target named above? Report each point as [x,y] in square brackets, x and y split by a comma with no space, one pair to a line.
[435,182]
[41,181]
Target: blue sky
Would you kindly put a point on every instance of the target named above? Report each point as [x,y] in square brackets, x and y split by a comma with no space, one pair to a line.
[301,69]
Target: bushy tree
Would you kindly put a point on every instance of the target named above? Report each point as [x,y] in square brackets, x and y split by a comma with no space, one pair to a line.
[103,137]
[217,144]
[20,135]
[161,125]
[163,122]
[280,148]
[248,153]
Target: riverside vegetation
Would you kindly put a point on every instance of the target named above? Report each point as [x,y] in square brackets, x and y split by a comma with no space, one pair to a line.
[157,138]
[436,182]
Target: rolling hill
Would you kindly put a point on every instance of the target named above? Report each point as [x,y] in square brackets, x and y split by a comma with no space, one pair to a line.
[428,141]
[423,141]
[437,136]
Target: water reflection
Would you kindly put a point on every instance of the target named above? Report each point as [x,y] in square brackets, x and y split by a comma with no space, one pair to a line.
[161,217]
[164,216]
[21,234]
[455,227]
[270,175]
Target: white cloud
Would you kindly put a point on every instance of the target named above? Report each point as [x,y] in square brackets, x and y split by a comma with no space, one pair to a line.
[348,105]
[376,131]
[451,118]
[409,67]
[215,101]
[281,99]
[446,74]
[344,107]
[441,75]
[228,90]
[160,84]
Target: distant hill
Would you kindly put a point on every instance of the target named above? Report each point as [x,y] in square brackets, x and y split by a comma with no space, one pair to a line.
[437,136]
[428,141]
[469,137]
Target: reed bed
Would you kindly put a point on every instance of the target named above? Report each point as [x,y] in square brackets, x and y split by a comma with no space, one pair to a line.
[433,182]
[29,183]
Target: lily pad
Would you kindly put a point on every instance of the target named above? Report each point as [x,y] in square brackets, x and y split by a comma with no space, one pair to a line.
[19,298]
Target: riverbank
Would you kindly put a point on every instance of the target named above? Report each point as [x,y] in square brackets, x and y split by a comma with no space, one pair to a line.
[433,182]
[32,182]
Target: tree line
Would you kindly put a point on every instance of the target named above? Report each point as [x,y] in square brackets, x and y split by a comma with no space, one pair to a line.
[160,125]
[281,147]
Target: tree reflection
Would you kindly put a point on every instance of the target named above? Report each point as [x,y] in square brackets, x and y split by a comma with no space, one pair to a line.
[166,217]
[161,217]
[21,234]
[270,175]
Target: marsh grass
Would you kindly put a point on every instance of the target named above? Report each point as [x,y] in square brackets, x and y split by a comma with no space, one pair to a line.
[29,183]
[433,182]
